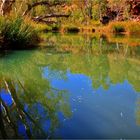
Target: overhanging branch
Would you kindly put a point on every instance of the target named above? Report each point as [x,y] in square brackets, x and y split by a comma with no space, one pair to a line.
[49,16]
[46,3]
[52,16]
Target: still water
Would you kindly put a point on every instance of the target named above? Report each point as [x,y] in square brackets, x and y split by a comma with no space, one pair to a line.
[73,87]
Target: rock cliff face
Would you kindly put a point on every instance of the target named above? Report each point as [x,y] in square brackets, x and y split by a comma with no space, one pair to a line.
[117,13]
[135,9]
[6,7]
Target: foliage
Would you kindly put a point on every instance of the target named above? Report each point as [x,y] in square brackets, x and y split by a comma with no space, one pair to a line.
[17,33]
[129,27]
[117,27]
[133,27]
[31,94]
[82,13]
[71,29]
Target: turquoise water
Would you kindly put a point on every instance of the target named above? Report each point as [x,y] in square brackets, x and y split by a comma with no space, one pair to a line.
[71,90]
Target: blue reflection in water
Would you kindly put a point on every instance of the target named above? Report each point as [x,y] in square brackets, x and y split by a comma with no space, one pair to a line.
[6,97]
[21,130]
[97,113]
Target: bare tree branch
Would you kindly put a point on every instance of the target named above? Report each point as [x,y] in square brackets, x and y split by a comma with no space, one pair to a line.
[46,3]
[43,17]
[45,21]
[52,16]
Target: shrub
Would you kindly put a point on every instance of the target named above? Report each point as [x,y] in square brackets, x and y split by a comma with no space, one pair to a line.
[133,28]
[17,33]
[117,27]
[129,27]
[72,29]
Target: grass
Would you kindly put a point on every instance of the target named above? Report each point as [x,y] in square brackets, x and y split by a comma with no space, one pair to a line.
[80,27]
[125,27]
[70,29]
[17,33]
[133,28]
[116,27]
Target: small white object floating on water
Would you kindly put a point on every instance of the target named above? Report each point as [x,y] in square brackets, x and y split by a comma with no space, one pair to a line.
[121,114]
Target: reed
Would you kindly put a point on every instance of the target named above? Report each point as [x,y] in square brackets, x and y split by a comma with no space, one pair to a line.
[17,33]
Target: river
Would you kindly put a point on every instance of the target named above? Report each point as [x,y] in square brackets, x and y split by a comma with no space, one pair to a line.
[73,86]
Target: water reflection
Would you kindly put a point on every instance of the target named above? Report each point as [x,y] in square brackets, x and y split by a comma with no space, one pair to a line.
[40,90]
[33,100]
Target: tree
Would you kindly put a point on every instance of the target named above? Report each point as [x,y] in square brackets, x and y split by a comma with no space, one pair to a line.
[6,6]
[99,8]
[48,15]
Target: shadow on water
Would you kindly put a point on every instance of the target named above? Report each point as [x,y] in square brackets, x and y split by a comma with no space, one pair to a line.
[31,107]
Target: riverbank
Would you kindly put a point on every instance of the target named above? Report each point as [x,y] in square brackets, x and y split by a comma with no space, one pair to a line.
[116,27]
[22,33]
[122,27]
[128,38]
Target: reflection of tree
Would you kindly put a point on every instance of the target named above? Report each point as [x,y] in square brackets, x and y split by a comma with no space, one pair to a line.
[98,59]
[105,63]
[2,128]
[102,69]
[137,111]
[24,75]
[30,93]
[92,44]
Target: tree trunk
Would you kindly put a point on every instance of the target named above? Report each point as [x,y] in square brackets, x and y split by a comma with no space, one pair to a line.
[6,7]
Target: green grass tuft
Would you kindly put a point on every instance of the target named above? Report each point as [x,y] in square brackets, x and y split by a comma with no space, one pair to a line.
[16,33]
